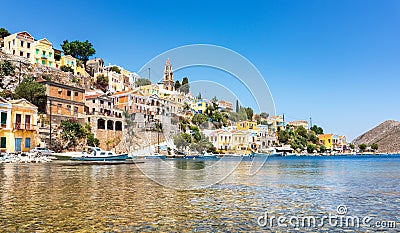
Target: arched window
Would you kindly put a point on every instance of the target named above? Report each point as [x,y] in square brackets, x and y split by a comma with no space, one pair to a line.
[110,124]
[101,124]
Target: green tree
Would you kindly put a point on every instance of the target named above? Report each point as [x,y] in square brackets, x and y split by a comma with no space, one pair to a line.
[249,113]
[362,147]
[301,131]
[6,69]
[67,68]
[142,82]
[115,69]
[322,149]
[317,129]
[312,137]
[374,146]
[32,91]
[199,96]
[237,106]
[264,115]
[185,87]
[92,141]
[283,137]
[199,119]
[177,85]
[78,49]
[242,114]
[4,33]
[57,56]
[311,148]
[257,118]
[352,146]
[71,131]
[102,82]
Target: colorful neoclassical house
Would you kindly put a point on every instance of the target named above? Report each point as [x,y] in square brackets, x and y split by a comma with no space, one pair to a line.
[44,53]
[18,125]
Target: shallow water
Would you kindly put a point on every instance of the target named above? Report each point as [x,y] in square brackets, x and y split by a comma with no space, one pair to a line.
[61,196]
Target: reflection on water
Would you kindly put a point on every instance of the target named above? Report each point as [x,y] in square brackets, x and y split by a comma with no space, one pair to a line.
[119,198]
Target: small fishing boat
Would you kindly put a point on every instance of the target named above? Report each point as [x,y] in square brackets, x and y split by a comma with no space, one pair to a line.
[96,154]
[202,156]
[155,156]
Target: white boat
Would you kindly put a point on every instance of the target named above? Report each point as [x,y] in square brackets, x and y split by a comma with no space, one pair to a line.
[96,154]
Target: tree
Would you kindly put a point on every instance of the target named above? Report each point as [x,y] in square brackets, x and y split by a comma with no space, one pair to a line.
[199,119]
[142,82]
[199,96]
[115,69]
[185,87]
[6,69]
[257,118]
[322,149]
[71,131]
[352,146]
[283,136]
[177,85]
[237,106]
[264,115]
[301,131]
[242,115]
[32,91]
[374,146]
[311,148]
[4,33]
[249,113]
[78,49]
[317,130]
[312,137]
[92,141]
[102,82]
[362,147]
[67,68]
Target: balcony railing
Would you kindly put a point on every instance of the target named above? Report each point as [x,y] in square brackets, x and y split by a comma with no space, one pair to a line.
[24,126]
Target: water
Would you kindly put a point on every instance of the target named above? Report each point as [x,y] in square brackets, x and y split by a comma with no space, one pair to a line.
[68,197]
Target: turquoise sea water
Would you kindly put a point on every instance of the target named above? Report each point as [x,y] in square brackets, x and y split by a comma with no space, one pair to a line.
[71,197]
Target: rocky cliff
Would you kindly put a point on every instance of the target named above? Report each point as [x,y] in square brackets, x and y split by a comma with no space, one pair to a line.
[386,135]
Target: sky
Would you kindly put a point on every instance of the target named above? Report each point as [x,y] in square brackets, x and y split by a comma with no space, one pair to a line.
[337,61]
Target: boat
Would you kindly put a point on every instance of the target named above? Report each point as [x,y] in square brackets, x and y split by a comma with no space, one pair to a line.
[67,155]
[155,156]
[96,154]
[202,156]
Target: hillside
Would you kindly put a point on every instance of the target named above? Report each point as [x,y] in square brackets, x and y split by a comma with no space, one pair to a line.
[386,135]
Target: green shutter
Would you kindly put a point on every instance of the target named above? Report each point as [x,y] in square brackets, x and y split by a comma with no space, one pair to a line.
[3,143]
[3,118]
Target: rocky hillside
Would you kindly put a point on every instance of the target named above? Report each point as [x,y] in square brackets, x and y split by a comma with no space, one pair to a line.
[386,135]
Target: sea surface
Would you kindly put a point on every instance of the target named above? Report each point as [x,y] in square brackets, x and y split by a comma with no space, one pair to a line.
[203,196]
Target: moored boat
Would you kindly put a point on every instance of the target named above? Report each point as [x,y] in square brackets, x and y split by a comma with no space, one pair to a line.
[96,154]
[155,156]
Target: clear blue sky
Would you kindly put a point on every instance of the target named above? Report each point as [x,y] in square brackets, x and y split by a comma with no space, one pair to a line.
[337,61]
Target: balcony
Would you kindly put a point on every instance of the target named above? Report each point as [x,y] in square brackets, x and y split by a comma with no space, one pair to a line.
[44,57]
[27,126]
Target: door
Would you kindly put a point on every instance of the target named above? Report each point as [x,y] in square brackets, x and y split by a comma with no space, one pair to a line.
[18,121]
[18,146]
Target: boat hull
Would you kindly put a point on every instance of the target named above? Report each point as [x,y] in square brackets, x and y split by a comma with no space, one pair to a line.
[155,157]
[102,158]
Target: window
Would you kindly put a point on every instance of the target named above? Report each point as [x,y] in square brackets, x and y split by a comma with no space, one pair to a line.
[3,142]
[50,63]
[13,41]
[3,119]
[94,101]
[22,43]
[44,53]
[37,60]
[27,142]
[37,51]
[18,119]
[101,102]
[43,62]
[68,93]
[50,55]
[28,55]
[76,93]
[69,108]
[28,45]
[13,52]
[28,122]
[76,110]
[21,53]
[59,106]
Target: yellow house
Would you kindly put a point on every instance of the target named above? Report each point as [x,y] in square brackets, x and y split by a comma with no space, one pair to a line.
[44,53]
[20,44]
[199,107]
[68,60]
[148,90]
[18,125]
[246,125]
[327,140]
[240,140]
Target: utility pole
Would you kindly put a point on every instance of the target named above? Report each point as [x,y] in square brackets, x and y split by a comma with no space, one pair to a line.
[310,122]
[50,118]
[283,117]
